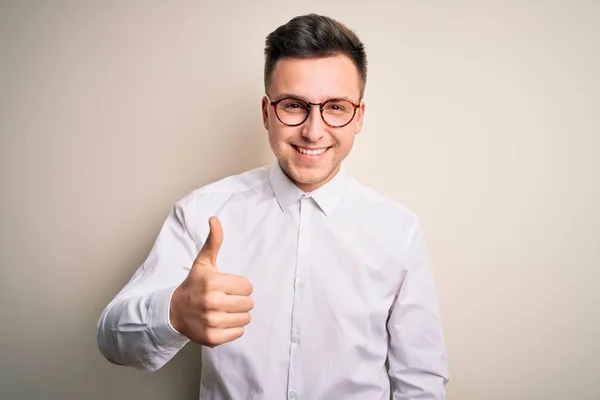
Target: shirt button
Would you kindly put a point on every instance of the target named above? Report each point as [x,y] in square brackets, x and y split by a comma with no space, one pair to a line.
[304,230]
[299,285]
[293,394]
[295,338]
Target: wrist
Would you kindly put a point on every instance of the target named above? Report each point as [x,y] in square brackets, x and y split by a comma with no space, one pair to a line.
[159,321]
[174,316]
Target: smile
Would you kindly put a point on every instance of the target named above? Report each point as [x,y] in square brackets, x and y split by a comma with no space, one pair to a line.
[311,152]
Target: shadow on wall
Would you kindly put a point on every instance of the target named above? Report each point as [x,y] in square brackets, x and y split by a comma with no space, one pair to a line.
[248,149]
[239,144]
[247,144]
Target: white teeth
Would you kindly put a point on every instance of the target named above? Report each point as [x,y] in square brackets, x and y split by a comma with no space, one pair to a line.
[309,152]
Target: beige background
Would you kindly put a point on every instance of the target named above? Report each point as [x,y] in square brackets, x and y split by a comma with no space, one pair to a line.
[482,117]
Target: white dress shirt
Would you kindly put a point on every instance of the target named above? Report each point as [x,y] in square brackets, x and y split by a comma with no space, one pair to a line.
[341,284]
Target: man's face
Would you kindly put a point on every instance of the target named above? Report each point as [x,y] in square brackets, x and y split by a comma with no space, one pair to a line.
[315,80]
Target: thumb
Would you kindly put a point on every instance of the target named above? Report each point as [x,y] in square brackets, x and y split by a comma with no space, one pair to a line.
[209,252]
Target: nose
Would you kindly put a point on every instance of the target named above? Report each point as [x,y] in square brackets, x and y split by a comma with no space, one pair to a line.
[313,128]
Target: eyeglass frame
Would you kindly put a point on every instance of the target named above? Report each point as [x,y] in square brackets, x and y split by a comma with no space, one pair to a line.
[310,104]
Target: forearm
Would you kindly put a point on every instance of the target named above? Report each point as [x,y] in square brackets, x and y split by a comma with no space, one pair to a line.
[417,352]
[418,385]
[134,330]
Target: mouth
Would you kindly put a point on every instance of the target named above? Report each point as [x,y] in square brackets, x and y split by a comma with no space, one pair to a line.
[312,152]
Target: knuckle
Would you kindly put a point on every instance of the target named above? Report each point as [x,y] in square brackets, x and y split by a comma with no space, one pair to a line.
[213,319]
[195,300]
[204,301]
[205,318]
[212,282]
[211,301]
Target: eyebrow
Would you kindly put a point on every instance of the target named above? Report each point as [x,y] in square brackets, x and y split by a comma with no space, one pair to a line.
[295,96]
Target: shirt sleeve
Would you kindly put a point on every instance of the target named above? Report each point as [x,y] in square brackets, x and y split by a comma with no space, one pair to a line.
[135,329]
[417,357]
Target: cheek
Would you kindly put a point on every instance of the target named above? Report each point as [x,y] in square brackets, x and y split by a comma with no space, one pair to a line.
[278,137]
[345,139]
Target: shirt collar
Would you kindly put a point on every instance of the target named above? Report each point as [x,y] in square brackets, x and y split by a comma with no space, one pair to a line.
[327,196]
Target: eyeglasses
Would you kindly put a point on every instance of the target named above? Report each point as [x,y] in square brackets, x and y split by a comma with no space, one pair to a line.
[292,111]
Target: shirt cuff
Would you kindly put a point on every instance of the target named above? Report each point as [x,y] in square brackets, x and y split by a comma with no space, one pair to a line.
[159,320]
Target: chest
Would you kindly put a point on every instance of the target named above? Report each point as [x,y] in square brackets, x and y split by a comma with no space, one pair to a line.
[314,264]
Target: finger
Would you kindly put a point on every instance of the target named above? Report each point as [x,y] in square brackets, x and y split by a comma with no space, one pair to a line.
[236,304]
[219,301]
[220,336]
[235,285]
[225,320]
[209,252]
[239,304]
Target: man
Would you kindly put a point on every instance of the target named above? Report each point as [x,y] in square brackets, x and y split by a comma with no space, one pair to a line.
[303,284]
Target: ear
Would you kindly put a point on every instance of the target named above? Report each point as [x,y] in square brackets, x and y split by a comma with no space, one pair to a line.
[265,112]
[360,114]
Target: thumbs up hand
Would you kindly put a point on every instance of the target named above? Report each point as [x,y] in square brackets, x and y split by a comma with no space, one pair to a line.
[209,307]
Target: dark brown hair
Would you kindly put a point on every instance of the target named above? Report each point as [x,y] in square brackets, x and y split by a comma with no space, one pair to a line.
[314,36]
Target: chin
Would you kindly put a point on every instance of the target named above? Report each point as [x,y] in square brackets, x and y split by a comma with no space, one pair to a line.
[310,178]
[306,175]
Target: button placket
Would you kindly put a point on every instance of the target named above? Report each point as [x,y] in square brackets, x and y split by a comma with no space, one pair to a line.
[294,376]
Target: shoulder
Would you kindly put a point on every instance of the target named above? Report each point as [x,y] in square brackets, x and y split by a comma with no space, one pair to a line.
[390,220]
[376,201]
[215,194]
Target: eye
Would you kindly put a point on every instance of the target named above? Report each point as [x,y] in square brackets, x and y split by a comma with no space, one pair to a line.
[292,105]
[337,106]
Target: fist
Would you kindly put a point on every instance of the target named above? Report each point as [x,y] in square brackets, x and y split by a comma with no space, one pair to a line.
[209,307]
